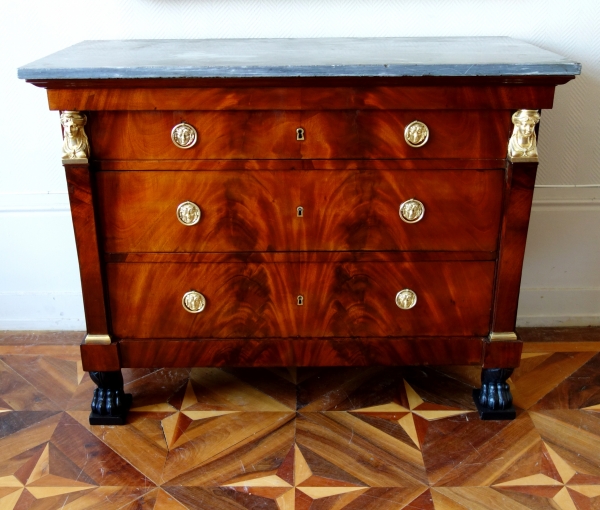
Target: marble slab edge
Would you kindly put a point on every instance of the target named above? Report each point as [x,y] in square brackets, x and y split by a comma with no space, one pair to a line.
[566,69]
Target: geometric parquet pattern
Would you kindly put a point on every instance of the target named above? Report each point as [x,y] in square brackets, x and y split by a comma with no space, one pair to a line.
[298,439]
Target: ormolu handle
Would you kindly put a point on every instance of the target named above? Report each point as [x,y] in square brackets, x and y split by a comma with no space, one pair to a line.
[416,134]
[193,302]
[406,299]
[412,211]
[184,136]
[188,213]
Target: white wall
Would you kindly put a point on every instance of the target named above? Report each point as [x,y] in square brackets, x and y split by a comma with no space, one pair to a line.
[39,283]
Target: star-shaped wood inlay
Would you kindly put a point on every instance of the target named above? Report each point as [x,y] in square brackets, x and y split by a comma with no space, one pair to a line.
[413,418]
[176,424]
[295,482]
[39,478]
[556,484]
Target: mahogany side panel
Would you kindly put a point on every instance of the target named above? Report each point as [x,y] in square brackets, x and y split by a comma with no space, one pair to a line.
[345,134]
[300,352]
[246,300]
[100,358]
[257,211]
[502,354]
[302,98]
[81,197]
[517,210]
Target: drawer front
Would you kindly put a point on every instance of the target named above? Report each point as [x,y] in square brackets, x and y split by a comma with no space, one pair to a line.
[348,134]
[247,300]
[341,210]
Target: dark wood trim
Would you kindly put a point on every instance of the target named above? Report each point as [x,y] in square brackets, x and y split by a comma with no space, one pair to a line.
[81,197]
[273,352]
[572,334]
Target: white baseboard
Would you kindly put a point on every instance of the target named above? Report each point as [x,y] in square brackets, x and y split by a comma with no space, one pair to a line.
[559,307]
[561,271]
[41,311]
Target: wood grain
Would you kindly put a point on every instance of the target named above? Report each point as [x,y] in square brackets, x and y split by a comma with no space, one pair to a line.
[302,98]
[302,256]
[301,352]
[502,354]
[174,165]
[567,346]
[100,358]
[368,438]
[580,336]
[257,211]
[81,197]
[346,134]
[340,300]
[515,223]
[531,385]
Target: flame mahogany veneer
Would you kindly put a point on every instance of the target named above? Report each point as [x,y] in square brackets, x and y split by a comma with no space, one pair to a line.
[352,210]
[251,256]
[250,300]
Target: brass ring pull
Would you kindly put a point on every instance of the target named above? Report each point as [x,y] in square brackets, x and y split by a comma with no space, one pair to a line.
[406,299]
[193,302]
[416,134]
[412,211]
[188,213]
[184,136]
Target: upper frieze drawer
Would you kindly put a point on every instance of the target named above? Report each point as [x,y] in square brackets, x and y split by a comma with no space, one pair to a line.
[344,134]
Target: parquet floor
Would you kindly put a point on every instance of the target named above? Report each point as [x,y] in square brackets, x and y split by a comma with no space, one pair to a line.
[285,439]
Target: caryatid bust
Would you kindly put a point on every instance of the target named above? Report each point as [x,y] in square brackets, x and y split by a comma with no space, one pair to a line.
[523,142]
[75,141]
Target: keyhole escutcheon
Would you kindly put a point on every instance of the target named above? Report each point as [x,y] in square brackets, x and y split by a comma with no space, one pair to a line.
[300,212]
[300,134]
[300,300]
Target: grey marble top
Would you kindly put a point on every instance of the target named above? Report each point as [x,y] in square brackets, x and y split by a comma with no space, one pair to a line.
[221,58]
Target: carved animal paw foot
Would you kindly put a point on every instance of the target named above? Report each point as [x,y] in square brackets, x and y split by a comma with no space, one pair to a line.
[495,396]
[109,402]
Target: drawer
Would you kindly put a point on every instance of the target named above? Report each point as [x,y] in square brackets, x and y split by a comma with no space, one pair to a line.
[341,210]
[346,134]
[259,300]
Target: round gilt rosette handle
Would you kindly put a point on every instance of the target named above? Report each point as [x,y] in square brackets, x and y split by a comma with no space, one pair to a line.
[416,134]
[184,136]
[193,302]
[406,299]
[188,213]
[412,211]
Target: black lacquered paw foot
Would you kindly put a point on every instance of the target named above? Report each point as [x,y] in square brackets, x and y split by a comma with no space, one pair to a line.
[494,399]
[110,403]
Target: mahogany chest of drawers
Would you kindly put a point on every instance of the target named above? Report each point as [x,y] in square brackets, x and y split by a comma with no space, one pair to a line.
[300,202]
